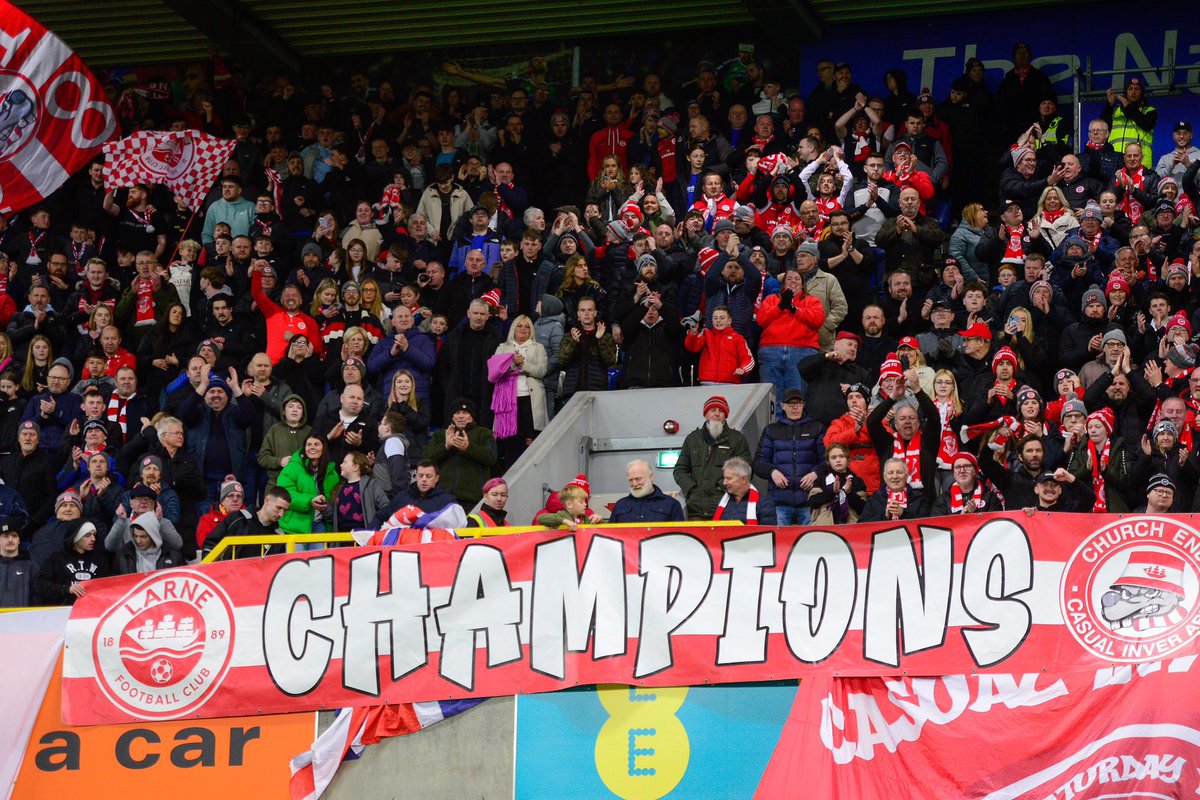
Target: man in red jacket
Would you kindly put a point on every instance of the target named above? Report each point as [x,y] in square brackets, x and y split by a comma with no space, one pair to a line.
[284,319]
[612,140]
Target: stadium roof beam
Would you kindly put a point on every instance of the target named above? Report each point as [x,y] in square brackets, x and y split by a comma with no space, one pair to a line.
[788,23]
[233,28]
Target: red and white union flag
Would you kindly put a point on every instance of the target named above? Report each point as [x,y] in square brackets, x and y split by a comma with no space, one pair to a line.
[54,114]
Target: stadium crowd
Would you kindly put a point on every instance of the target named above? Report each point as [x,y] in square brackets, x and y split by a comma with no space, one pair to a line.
[386,298]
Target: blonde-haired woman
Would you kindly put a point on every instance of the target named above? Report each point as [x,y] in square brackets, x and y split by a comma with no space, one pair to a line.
[964,241]
[610,189]
[1055,216]
[38,357]
[949,406]
[530,364]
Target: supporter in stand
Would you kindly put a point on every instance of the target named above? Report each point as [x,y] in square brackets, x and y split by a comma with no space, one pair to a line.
[672,253]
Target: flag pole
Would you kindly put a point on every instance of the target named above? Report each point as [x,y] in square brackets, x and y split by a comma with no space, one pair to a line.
[175,252]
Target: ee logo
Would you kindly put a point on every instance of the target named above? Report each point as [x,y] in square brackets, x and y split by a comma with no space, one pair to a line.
[642,750]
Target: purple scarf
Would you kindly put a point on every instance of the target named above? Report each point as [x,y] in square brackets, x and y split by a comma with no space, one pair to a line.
[504,398]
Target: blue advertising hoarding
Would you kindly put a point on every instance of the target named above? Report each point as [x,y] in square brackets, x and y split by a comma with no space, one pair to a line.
[644,744]
[933,51]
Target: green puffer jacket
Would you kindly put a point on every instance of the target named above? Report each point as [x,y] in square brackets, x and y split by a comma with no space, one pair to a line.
[303,487]
[281,441]
[699,471]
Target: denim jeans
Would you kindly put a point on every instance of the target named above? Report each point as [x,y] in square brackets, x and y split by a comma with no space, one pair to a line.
[792,515]
[778,366]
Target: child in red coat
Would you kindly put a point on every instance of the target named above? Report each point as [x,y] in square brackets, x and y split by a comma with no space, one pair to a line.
[724,355]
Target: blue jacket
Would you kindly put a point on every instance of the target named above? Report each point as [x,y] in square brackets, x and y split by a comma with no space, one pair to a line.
[13,507]
[654,507]
[488,242]
[197,416]
[418,359]
[795,448]
[68,407]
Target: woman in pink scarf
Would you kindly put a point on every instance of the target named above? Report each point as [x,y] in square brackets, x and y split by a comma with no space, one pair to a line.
[519,399]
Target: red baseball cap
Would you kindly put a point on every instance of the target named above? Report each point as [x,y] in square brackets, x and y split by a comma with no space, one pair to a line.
[979,330]
[854,337]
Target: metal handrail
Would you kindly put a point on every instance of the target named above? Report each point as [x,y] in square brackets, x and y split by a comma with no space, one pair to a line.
[290,540]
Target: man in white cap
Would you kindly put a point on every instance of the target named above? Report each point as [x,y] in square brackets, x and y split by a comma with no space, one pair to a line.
[63,578]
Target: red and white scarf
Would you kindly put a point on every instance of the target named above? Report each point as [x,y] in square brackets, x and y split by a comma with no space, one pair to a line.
[1014,248]
[949,446]
[910,453]
[958,506]
[901,499]
[1099,464]
[145,303]
[1129,203]
[751,507]
[117,406]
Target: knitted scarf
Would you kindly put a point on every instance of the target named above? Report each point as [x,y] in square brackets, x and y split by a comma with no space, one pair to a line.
[1014,247]
[117,406]
[898,497]
[957,506]
[504,398]
[1099,464]
[145,303]
[751,507]
[1129,203]
[910,453]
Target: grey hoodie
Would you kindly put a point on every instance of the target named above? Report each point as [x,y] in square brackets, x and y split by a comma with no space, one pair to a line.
[147,559]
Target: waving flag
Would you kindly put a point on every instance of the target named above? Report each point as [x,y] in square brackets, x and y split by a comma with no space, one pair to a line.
[354,729]
[54,114]
[187,162]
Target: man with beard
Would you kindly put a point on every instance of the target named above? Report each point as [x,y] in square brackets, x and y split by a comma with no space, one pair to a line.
[876,343]
[1059,491]
[1017,483]
[872,200]
[299,195]
[851,261]
[698,472]
[284,319]
[139,225]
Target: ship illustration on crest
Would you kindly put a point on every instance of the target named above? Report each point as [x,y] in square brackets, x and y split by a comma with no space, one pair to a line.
[167,633]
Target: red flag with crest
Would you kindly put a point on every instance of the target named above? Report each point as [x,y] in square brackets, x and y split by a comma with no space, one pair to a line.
[54,114]
[187,162]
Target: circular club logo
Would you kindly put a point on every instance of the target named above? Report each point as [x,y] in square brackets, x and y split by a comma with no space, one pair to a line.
[162,650]
[1129,592]
[171,157]
[20,108]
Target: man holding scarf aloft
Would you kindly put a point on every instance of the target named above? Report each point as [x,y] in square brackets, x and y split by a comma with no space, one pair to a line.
[1135,184]
[741,500]
[906,439]
[1107,462]
[967,495]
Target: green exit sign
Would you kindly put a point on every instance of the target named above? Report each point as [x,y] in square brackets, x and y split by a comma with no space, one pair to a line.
[667,459]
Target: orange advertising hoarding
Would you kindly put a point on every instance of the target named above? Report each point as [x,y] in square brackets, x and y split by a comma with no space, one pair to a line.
[202,759]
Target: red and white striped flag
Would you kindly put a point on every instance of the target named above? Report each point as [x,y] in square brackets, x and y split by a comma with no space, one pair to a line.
[187,162]
[54,114]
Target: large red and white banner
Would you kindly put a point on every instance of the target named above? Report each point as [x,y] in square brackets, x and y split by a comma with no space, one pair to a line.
[658,606]
[187,162]
[1124,732]
[54,114]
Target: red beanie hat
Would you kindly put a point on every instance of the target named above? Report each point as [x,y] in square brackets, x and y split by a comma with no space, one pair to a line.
[716,401]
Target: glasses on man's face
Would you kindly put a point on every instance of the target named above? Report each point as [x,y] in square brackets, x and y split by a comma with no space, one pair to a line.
[963,468]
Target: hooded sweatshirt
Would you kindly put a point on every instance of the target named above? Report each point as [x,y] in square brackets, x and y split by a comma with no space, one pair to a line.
[67,566]
[282,440]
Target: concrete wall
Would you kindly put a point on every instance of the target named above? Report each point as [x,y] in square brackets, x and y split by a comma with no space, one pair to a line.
[598,433]
[467,757]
